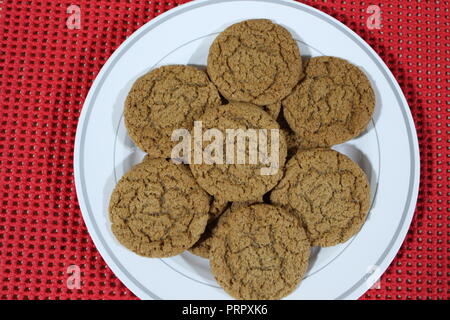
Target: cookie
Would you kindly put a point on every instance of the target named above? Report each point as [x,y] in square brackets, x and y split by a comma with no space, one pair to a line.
[273,109]
[261,252]
[157,209]
[241,204]
[234,181]
[255,61]
[203,245]
[217,208]
[334,103]
[329,193]
[165,99]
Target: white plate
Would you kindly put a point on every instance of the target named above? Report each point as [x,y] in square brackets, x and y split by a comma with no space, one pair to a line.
[387,151]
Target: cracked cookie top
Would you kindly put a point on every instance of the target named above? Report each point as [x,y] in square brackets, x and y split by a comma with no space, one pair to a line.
[167,98]
[255,61]
[333,104]
[262,253]
[157,209]
[239,182]
[329,193]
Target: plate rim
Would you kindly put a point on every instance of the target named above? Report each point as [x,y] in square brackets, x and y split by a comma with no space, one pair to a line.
[131,283]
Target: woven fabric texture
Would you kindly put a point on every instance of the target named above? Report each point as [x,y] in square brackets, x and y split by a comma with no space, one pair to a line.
[46,70]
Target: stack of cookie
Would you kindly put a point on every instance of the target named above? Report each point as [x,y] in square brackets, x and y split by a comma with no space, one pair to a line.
[256,230]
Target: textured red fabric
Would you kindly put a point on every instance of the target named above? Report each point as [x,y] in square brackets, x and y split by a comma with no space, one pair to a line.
[45,74]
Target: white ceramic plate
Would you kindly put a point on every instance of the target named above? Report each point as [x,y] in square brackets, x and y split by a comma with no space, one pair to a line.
[387,151]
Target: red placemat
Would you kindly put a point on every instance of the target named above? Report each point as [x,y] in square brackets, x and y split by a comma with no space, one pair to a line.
[46,69]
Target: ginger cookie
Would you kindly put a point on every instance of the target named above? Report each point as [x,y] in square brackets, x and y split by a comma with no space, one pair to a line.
[217,207]
[334,103]
[261,252]
[241,204]
[255,61]
[241,176]
[201,247]
[329,193]
[273,109]
[157,209]
[164,99]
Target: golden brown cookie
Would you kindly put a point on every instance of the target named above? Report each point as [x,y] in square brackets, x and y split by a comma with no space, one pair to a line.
[166,98]
[240,182]
[261,252]
[328,191]
[217,208]
[241,204]
[203,245]
[157,209]
[333,104]
[255,61]
[273,109]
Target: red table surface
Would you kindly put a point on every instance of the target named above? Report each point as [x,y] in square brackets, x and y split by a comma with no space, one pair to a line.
[46,70]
